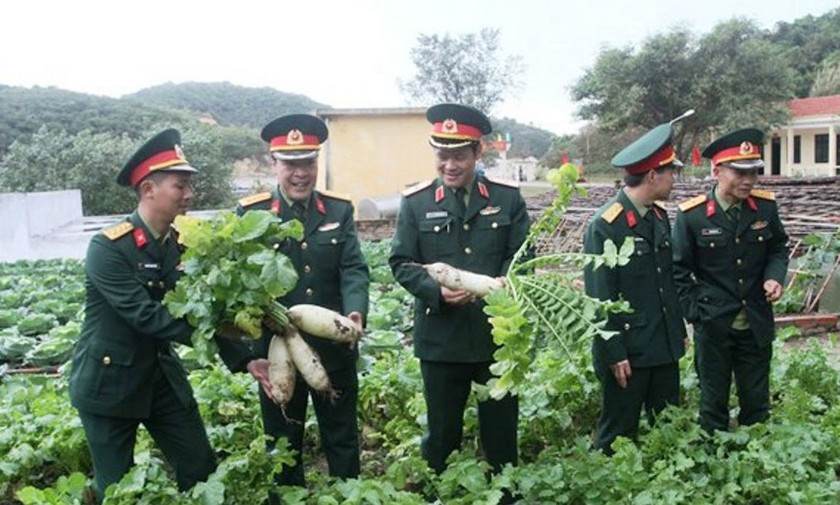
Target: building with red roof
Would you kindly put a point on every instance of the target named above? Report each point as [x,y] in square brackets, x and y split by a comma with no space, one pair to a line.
[808,145]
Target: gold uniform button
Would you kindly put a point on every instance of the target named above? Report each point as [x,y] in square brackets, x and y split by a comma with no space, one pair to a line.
[661,290]
[437,229]
[664,310]
[740,281]
[744,303]
[626,326]
[467,250]
[494,225]
[150,284]
[738,261]
[761,239]
[309,291]
[333,241]
[659,270]
[712,245]
[737,240]
[277,246]
[304,246]
[306,269]
[106,360]
[466,227]
[428,311]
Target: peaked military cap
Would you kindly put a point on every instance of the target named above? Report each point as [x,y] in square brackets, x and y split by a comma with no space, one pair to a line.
[740,149]
[649,152]
[161,153]
[295,136]
[455,125]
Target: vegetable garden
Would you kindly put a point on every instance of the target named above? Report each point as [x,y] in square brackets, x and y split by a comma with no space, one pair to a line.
[792,459]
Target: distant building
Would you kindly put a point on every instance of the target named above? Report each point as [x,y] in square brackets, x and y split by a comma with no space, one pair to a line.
[808,145]
[374,153]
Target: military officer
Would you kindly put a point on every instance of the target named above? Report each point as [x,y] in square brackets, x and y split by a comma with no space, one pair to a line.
[125,371]
[333,274]
[471,222]
[638,367]
[730,262]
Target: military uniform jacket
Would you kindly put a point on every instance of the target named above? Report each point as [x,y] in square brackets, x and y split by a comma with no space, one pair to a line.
[332,272]
[431,228]
[127,332]
[720,266]
[653,334]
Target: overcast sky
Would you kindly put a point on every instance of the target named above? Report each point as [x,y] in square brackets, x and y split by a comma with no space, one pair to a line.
[344,53]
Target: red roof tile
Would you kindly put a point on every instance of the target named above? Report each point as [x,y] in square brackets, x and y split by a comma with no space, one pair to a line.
[816,106]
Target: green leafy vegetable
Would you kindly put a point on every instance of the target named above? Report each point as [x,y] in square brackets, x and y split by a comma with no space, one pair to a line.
[232,273]
[542,308]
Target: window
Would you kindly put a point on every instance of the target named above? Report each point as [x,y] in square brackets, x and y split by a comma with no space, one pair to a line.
[797,149]
[821,148]
[837,149]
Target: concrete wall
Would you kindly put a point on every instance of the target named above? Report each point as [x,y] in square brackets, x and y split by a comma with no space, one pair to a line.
[33,225]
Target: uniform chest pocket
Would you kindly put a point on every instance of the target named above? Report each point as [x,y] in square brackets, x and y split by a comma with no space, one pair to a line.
[437,240]
[154,283]
[710,243]
[492,232]
[760,237]
[328,246]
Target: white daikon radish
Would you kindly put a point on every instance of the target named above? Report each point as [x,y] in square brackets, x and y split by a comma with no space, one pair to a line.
[461,280]
[281,371]
[325,323]
[308,363]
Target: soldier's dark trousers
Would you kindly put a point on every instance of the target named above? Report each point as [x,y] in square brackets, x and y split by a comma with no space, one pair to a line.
[653,388]
[176,429]
[337,426]
[446,387]
[717,358]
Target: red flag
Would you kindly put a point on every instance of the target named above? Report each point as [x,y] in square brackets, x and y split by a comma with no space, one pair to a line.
[695,156]
[564,159]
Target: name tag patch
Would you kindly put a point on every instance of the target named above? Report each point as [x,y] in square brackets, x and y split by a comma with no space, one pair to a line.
[328,226]
[759,225]
[711,232]
[436,214]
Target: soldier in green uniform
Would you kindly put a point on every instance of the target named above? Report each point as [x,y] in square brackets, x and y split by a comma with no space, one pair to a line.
[638,367]
[125,371]
[333,274]
[471,222]
[730,262]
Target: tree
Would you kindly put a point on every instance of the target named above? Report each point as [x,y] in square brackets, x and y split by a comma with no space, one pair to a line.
[52,159]
[466,69]
[827,80]
[733,77]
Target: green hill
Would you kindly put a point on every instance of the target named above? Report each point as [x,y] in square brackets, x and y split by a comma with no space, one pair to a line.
[227,104]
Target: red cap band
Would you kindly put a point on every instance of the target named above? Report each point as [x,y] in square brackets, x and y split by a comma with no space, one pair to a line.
[294,141]
[745,151]
[454,130]
[160,160]
[660,158]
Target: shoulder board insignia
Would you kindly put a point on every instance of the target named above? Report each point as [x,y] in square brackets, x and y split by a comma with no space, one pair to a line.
[660,204]
[118,230]
[417,187]
[335,196]
[691,203]
[612,212]
[763,194]
[503,182]
[257,198]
